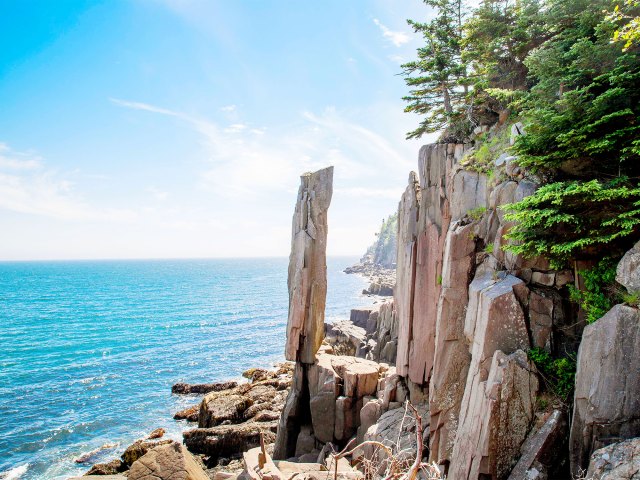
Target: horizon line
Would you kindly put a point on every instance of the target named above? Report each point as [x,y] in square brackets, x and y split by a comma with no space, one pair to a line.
[133,259]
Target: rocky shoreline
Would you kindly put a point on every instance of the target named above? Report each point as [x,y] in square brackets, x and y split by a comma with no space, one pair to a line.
[381,278]
[231,417]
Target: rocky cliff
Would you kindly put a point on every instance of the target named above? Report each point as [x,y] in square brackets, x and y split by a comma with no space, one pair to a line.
[465,317]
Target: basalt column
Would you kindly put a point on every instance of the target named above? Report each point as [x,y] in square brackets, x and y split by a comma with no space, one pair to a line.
[307,282]
[307,279]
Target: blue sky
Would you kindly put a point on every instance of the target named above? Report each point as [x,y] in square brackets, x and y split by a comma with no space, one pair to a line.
[179,128]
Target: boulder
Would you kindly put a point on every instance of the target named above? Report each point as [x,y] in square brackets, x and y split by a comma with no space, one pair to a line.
[140,448]
[345,337]
[619,461]
[186,388]
[228,440]
[397,429]
[111,468]
[360,316]
[542,450]
[607,394]
[167,462]
[99,477]
[190,414]
[359,376]
[628,271]
[307,279]
[217,408]
[157,433]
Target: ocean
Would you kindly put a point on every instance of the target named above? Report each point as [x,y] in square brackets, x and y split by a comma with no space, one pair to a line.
[89,350]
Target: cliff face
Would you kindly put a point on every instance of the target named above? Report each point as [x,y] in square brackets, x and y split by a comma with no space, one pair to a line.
[464,317]
[467,313]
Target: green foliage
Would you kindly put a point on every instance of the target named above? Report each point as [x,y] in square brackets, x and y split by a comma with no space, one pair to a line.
[562,67]
[627,19]
[559,373]
[476,213]
[489,248]
[433,76]
[498,37]
[598,295]
[488,148]
[565,220]
[439,280]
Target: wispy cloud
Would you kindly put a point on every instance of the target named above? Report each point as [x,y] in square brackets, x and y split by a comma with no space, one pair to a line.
[248,162]
[397,38]
[28,186]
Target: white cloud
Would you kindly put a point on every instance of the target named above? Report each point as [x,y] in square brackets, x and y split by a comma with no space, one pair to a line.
[235,128]
[28,186]
[228,108]
[397,38]
[248,177]
[157,194]
[399,59]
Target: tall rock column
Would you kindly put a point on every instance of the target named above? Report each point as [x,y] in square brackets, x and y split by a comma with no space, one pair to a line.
[406,269]
[423,221]
[307,279]
[307,284]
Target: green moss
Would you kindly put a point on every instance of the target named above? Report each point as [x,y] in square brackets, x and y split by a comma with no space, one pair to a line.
[476,213]
[631,299]
[439,280]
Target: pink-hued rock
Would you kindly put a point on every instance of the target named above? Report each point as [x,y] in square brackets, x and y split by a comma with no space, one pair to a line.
[495,327]
[359,376]
[495,420]
[420,252]
[405,270]
[425,304]
[167,462]
[307,279]
[452,358]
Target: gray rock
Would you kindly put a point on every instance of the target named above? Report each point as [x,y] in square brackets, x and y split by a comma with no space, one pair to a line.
[307,278]
[628,271]
[517,129]
[620,461]
[542,449]
[167,462]
[607,393]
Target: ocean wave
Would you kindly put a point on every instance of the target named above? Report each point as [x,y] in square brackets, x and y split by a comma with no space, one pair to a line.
[15,473]
[85,457]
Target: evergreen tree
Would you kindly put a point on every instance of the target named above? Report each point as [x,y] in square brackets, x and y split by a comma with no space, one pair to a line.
[435,77]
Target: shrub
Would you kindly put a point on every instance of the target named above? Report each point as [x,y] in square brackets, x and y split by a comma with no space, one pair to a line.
[599,293]
[565,220]
[559,373]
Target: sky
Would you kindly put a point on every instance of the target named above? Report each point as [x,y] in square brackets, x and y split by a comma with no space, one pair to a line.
[179,128]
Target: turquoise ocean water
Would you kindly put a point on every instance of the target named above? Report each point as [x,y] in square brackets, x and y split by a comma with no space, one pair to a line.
[89,349]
